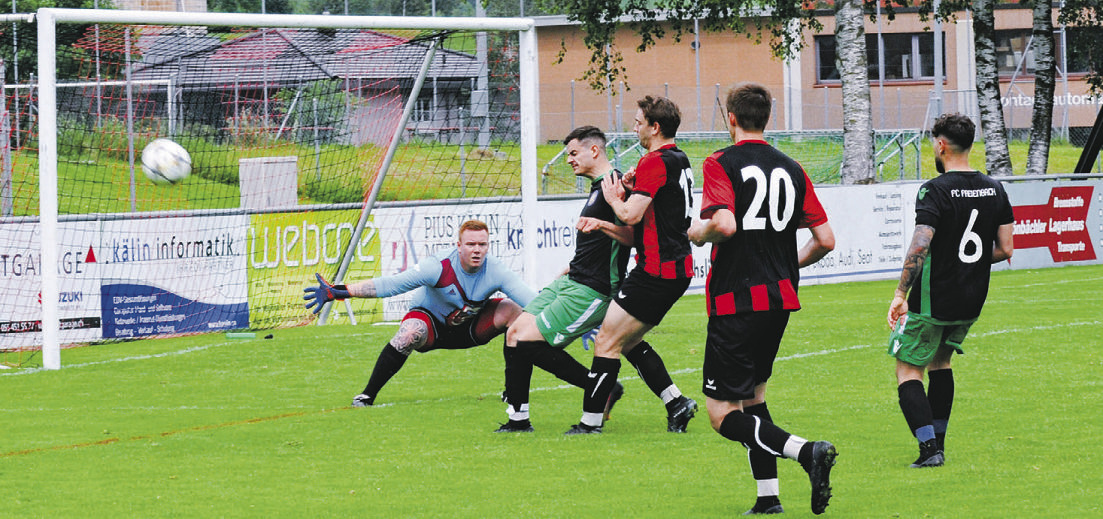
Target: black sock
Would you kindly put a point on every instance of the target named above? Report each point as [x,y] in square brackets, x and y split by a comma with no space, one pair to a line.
[602,378]
[740,427]
[763,464]
[389,362]
[940,395]
[650,366]
[914,404]
[518,376]
[556,361]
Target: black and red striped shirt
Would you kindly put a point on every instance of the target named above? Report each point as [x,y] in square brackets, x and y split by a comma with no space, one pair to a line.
[771,197]
[662,246]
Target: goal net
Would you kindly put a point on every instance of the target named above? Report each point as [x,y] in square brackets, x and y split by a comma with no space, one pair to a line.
[345,146]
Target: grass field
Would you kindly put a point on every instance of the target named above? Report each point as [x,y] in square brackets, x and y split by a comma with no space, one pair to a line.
[207,426]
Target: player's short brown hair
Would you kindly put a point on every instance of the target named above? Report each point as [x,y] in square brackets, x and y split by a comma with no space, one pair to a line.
[750,102]
[956,128]
[586,133]
[663,111]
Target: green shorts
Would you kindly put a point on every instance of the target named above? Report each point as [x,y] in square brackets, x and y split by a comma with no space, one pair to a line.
[566,309]
[916,338]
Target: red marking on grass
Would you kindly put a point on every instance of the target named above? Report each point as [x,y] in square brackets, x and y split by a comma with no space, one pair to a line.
[109,441]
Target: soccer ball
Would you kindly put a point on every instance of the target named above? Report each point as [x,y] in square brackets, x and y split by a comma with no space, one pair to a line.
[165,162]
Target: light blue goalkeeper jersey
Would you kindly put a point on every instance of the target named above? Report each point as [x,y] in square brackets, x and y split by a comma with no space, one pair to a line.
[451,295]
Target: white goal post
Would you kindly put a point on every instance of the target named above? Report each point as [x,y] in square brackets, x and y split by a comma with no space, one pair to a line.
[47,22]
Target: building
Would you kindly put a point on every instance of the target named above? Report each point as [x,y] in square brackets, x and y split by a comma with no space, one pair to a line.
[697,72]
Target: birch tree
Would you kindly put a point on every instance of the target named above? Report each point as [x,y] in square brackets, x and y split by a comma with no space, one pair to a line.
[1045,67]
[850,40]
[997,157]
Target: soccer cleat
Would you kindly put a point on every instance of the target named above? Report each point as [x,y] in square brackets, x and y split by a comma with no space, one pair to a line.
[515,426]
[679,417]
[618,391]
[819,472]
[766,506]
[581,428]
[362,400]
[929,455]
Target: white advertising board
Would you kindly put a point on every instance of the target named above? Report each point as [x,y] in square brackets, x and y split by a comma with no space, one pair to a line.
[170,276]
[21,284]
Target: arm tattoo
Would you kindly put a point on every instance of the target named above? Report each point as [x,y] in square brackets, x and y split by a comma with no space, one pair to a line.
[917,255]
[362,289]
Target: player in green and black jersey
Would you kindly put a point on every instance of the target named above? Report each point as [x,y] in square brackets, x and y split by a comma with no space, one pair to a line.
[963,224]
[576,302]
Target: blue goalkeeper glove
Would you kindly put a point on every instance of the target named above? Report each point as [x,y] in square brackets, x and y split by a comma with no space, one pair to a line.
[318,296]
[589,338]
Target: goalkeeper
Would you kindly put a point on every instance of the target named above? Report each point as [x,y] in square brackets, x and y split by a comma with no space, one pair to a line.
[452,307]
[576,302]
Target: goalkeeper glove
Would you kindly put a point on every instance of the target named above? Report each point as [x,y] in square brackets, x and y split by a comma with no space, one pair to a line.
[589,338]
[318,296]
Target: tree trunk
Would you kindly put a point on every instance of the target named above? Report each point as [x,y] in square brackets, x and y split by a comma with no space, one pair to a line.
[850,38]
[997,158]
[1045,71]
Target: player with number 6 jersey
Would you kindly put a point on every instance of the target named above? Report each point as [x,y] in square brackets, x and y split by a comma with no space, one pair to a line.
[963,224]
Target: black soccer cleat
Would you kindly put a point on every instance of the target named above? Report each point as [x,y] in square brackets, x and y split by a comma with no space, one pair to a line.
[819,473]
[618,391]
[929,455]
[678,417]
[362,400]
[581,428]
[520,426]
[766,506]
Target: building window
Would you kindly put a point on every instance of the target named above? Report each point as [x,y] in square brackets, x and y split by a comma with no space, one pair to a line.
[1015,51]
[908,57]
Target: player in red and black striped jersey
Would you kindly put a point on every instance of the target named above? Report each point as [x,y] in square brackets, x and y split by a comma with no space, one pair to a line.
[658,205]
[755,198]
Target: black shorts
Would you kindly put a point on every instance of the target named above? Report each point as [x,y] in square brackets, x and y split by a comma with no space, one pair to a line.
[649,298]
[476,331]
[740,352]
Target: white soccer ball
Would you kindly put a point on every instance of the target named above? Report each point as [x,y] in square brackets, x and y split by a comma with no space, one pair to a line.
[165,162]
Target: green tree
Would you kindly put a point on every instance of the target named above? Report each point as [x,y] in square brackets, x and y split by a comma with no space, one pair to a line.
[1085,39]
[25,36]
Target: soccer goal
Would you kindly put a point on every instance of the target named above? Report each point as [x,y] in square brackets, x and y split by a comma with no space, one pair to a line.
[348,146]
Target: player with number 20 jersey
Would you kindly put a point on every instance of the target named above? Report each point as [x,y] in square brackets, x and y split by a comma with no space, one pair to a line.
[771,197]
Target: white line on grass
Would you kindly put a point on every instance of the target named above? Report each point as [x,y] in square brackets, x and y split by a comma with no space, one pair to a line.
[121,359]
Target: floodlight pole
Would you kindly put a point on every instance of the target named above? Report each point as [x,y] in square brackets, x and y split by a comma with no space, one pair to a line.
[392,147]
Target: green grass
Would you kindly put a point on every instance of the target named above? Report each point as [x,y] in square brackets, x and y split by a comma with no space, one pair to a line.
[204,426]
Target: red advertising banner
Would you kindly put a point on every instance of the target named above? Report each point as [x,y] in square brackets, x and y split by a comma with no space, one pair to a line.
[1060,225]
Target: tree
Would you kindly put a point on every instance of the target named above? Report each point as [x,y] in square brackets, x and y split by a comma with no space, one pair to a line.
[1084,18]
[26,35]
[850,39]
[997,156]
[1045,72]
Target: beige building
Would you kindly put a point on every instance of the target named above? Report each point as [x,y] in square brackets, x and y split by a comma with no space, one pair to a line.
[806,90]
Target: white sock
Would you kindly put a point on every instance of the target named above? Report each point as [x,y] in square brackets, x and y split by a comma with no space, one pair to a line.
[767,487]
[670,393]
[593,419]
[518,415]
[792,446]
